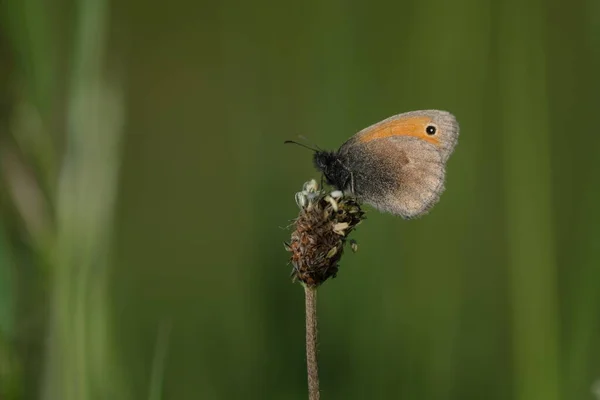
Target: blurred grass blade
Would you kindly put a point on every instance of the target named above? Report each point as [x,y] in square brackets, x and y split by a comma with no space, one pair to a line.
[80,362]
[533,291]
[10,384]
[6,288]
[34,35]
[158,362]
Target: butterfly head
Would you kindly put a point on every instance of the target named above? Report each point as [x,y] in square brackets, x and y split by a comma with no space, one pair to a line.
[332,166]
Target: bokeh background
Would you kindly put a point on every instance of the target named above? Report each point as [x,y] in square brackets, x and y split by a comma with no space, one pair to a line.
[145,191]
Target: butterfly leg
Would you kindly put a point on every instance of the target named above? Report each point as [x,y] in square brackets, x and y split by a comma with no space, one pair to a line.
[346,177]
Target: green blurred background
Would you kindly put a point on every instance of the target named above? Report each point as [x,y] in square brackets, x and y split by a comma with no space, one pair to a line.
[144,192]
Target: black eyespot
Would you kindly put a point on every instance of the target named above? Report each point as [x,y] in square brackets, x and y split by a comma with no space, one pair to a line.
[430,130]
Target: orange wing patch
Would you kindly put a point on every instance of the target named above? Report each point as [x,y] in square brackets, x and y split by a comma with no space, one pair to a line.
[408,126]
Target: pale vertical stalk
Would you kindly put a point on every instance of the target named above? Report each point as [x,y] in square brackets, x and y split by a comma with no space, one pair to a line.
[524,122]
[316,247]
[312,365]
[158,362]
[78,365]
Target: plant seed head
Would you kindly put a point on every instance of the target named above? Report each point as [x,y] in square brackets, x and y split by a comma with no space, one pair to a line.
[320,232]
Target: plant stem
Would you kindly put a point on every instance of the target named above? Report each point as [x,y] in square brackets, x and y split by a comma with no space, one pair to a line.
[312,366]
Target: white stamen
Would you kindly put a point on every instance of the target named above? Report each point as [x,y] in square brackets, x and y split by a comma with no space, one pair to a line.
[333,203]
[311,186]
[301,199]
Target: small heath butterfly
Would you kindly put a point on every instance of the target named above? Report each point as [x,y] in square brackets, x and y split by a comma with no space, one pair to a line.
[397,165]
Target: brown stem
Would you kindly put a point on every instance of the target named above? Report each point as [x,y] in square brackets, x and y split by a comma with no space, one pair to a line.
[312,365]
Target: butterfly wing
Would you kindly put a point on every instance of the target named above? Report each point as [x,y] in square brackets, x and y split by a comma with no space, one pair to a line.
[403,175]
[415,124]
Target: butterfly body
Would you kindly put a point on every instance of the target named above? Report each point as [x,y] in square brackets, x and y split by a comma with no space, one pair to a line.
[397,165]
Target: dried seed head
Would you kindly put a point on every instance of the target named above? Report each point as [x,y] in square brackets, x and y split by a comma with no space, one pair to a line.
[321,231]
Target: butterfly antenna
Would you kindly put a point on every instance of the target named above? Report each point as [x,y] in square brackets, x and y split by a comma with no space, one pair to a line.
[308,141]
[301,144]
